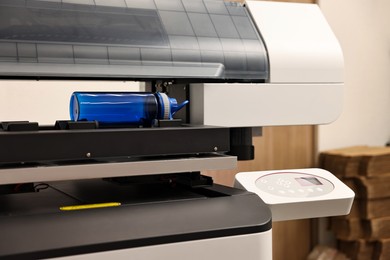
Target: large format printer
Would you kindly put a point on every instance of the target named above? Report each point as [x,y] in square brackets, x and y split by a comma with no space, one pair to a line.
[80,189]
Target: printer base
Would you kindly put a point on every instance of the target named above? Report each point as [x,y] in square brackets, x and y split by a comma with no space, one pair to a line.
[248,247]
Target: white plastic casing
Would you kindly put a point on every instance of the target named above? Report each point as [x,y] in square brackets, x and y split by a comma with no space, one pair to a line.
[290,204]
[249,247]
[247,105]
[306,74]
[301,45]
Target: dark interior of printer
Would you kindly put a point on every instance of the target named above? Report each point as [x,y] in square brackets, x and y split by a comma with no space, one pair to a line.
[30,145]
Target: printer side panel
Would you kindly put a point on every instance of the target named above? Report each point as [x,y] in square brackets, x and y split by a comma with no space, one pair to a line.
[306,74]
[301,45]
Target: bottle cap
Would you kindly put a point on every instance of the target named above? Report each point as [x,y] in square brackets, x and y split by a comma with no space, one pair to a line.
[168,106]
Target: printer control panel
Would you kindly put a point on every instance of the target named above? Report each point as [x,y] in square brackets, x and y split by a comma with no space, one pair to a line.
[293,184]
[298,193]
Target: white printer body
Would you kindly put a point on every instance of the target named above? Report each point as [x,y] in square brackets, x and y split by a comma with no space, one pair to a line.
[76,190]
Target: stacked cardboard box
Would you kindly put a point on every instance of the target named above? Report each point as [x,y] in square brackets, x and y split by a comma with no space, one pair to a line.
[365,232]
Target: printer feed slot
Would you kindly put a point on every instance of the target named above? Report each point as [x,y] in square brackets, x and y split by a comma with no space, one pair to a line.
[126,190]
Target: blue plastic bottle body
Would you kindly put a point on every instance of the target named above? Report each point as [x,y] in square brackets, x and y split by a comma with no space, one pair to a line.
[134,108]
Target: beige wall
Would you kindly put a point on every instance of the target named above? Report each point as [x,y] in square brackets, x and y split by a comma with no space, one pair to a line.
[362,28]
[47,101]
